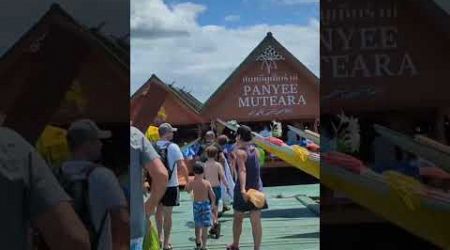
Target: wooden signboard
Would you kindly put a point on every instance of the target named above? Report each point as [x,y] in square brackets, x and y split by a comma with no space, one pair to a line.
[270,84]
[381,55]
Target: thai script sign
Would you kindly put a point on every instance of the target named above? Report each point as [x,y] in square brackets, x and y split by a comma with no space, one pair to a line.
[369,49]
[270,93]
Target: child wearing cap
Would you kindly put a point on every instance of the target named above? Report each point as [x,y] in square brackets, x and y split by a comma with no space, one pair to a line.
[203,195]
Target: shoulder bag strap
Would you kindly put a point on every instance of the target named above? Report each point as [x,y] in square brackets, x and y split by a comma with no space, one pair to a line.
[98,233]
[171,170]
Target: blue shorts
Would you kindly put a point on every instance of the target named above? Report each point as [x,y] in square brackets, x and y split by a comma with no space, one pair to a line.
[137,244]
[202,213]
[218,193]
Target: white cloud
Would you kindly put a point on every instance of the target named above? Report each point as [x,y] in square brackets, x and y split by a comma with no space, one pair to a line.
[155,18]
[232,18]
[205,56]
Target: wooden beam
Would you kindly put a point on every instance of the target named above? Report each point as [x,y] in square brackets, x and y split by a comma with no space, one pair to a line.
[145,107]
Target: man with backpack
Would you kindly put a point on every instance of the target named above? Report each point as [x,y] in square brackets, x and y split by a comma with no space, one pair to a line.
[97,196]
[32,197]
[172,158]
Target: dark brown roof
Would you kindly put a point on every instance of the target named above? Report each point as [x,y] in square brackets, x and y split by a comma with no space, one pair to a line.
[116,48]
[185,97]
[188,98]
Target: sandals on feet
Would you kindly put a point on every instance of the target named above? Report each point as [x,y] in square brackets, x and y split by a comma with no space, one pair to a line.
[232,247]
[168,248]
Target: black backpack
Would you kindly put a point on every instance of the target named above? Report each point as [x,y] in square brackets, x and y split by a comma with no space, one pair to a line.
[163,153]
[78,190]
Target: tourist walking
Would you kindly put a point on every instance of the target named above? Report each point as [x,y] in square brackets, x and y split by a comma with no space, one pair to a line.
[143,156]
[31,195]
[247,164]
[97,196]
[227,192]
[173,159]
[203,195]
[215,175]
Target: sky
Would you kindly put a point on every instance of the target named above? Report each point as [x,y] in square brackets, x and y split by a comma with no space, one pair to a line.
[197,44]
[17,17]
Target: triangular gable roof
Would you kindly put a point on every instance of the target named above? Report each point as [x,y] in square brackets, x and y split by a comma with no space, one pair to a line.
[141,99]
[187,98]
[145,104]
[269,39]
[17,59]
[269,102]
[114,48]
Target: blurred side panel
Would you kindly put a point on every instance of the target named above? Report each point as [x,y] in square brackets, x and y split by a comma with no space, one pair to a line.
[384,124]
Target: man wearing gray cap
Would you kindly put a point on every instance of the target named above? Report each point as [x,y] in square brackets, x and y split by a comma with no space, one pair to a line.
[104,211]
[31,196]
[172,158]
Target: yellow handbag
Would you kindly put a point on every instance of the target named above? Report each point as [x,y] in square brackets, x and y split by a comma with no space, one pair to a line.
[257,198]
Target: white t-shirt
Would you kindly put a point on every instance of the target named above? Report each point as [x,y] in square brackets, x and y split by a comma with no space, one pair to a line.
[174,154]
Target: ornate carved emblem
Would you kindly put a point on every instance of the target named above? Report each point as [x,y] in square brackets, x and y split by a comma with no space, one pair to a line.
[268,58]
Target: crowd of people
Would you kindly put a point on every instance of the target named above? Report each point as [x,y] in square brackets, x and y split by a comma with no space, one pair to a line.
[79,205]
[221,169]
[83,204]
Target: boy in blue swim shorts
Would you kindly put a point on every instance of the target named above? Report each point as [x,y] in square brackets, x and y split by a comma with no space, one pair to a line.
[203,195]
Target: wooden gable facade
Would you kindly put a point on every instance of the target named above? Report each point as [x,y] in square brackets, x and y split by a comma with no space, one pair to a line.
[60,71]
[156,102]
[269,84]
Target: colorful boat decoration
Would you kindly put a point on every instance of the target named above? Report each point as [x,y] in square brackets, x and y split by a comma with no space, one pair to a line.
[421,210]
[295,155]
[420,146]
[308,134]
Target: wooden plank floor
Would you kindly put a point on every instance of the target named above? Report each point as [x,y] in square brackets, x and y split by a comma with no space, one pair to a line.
[287,224]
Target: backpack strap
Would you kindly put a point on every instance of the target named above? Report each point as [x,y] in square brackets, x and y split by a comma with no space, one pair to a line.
[84,199]
[30,185]
[91,169]
[169,170]
[95,241]
[166,151]
[36,236]
[96,236]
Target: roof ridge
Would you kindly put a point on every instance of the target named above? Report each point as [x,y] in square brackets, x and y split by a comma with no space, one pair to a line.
[143,86]
[56,9]
[182,96]
[186,97]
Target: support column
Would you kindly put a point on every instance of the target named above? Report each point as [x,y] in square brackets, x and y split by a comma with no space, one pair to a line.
[440,126]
